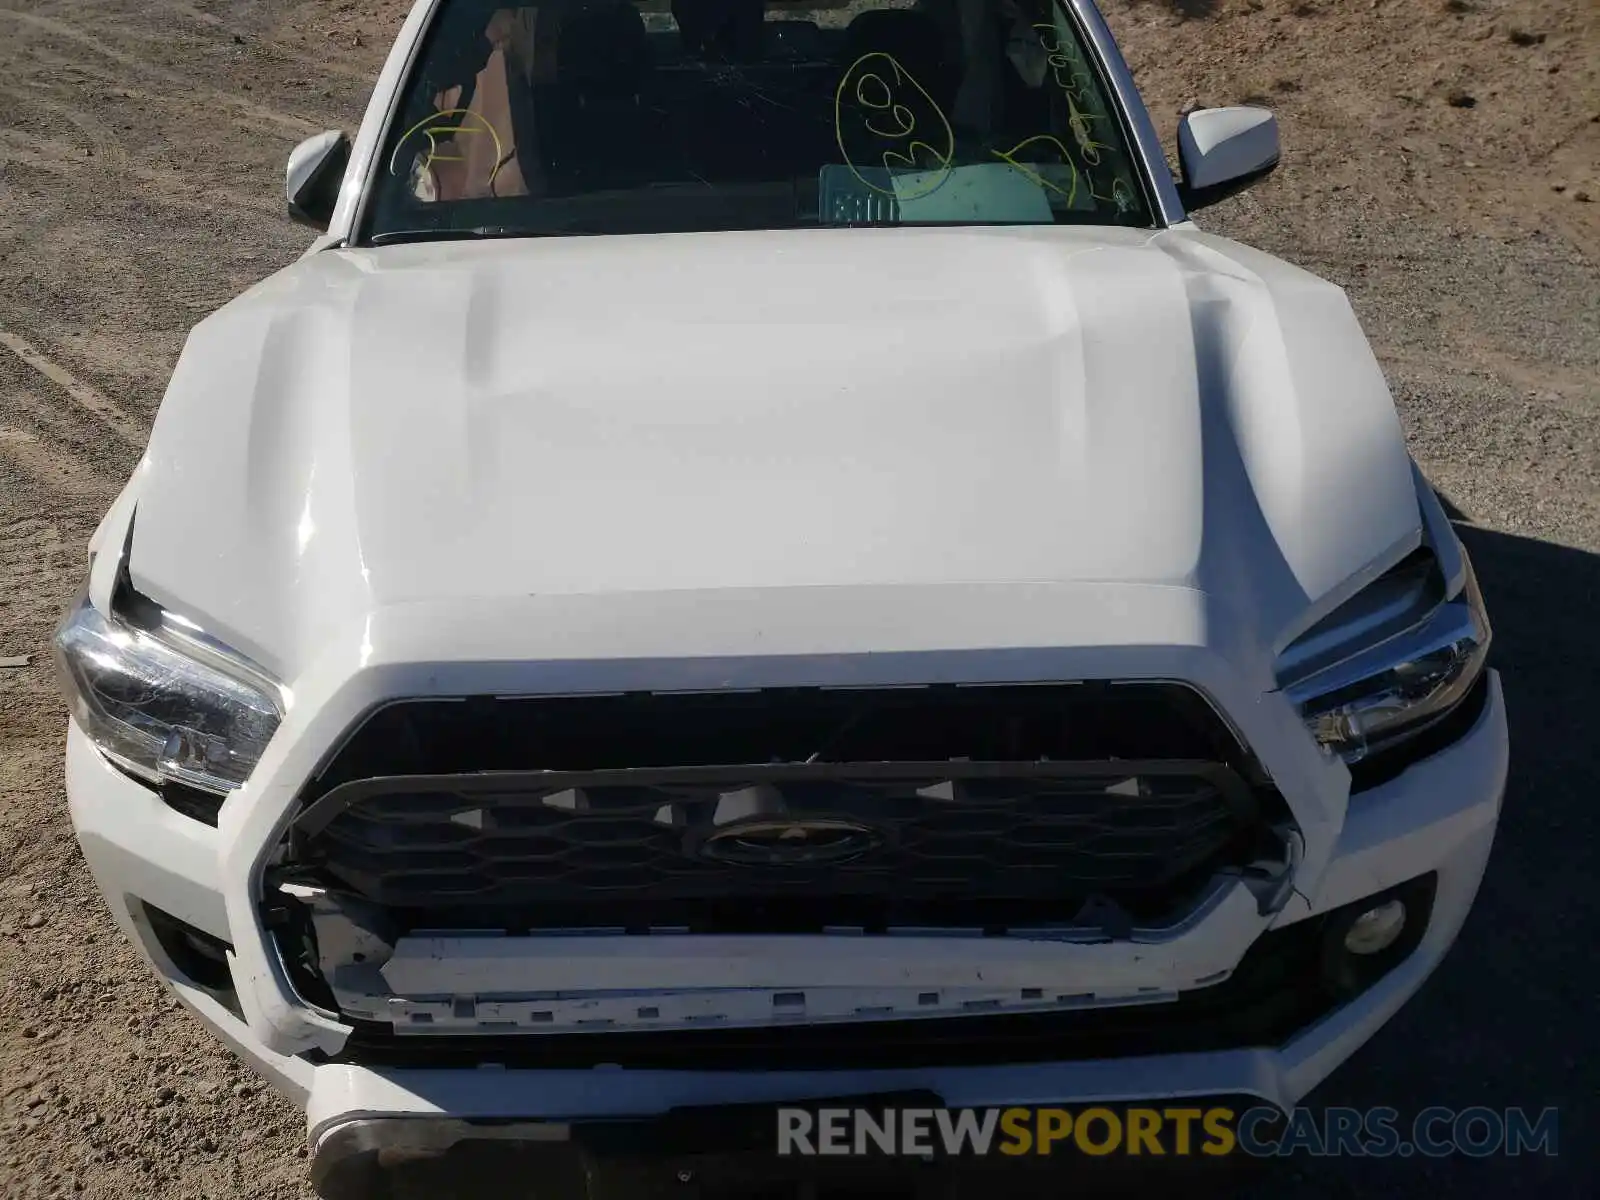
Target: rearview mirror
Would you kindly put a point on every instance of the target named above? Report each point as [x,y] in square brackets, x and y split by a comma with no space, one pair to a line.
[1223,151]
[316,171]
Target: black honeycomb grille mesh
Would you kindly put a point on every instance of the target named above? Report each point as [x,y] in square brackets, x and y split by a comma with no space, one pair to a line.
[642,851]
[991,805]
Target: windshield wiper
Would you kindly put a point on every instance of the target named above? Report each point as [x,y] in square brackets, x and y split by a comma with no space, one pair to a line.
[397,236]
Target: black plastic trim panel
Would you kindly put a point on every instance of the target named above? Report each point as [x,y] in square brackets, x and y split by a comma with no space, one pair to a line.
[1060,722]
[198,956]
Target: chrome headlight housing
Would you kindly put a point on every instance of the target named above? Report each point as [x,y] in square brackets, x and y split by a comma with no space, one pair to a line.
[160,699]
[1390,662]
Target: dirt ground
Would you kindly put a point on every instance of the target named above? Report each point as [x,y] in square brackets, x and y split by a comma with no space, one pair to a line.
[1442,161]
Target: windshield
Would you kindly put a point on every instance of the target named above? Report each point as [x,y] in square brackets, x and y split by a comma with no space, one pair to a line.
[602,116]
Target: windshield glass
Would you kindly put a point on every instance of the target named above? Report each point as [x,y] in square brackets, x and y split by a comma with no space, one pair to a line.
[603,116]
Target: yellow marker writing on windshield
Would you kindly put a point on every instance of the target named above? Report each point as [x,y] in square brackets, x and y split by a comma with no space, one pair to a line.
[471,124]
[1048,142]
[1065,58]
[868,84]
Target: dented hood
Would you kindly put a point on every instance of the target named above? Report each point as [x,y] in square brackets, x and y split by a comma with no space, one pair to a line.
[370,428]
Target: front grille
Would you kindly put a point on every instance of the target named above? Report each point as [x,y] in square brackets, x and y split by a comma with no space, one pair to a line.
[937,843]
[1076,722]
[993,807]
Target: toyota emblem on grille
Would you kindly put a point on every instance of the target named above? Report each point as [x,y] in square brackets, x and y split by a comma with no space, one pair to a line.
[790,842]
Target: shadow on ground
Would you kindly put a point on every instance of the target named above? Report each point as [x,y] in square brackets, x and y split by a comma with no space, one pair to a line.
[1505,1022]
[1508,1019]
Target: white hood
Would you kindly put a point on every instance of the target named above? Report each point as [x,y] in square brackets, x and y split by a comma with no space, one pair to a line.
[475,421]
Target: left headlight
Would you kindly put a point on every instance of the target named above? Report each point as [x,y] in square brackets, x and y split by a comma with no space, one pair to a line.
[163,702]
[1391,662]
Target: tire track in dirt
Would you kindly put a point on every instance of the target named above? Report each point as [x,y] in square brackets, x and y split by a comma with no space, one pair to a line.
[185,84]
[178,103]
[322,64]
[105,147]
[176,189]
[125,425]
[193,13]
[38,561]
[32,423]
[156,112]
[48,464]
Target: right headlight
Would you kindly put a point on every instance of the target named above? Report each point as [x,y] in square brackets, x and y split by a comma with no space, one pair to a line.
[162,701]
[1390,662]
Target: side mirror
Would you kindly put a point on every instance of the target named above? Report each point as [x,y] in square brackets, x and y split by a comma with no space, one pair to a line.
[1223,151]
[316,171]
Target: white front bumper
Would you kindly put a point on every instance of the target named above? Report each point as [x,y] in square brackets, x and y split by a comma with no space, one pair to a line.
[1439,816]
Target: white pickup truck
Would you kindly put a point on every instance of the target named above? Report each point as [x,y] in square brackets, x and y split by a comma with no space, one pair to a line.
[762,555]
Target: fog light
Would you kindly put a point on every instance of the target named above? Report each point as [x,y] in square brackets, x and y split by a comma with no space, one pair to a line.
[1364,940]
[1375,930]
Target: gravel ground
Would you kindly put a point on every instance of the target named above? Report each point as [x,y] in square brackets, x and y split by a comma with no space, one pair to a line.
[1442,163]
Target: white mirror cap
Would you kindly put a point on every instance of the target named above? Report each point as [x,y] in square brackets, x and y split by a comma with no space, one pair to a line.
[1217,145]
[305,158]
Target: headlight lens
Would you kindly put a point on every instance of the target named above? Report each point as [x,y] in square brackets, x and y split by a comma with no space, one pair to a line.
[163,703]
[1427,655]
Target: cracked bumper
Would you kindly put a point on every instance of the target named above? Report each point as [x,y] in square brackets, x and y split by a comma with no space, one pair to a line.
[1438,816]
